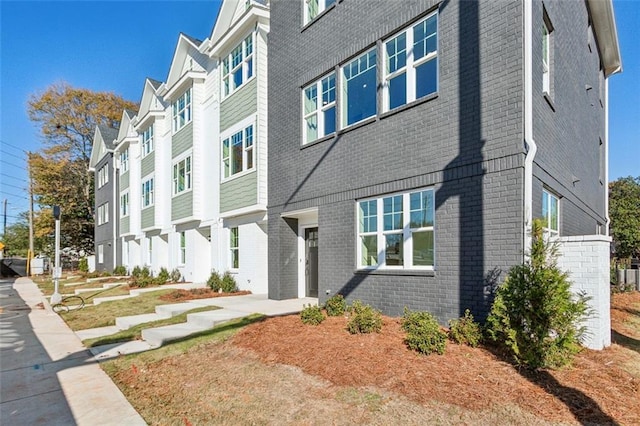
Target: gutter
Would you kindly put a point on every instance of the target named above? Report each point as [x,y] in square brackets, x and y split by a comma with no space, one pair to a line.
[528,123]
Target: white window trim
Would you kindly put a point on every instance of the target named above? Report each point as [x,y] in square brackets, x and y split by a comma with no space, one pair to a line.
[342,119]
[124,161]
[239,127]
[188,110]
[103,214]
[100,253]
[234,248]
[188,174]
[103,176]
[152,191]
[406,231]
[247,62]
[410,65]
[547,69]
[146,139]
[546,193]
[182,248]
[125,209]
[320,109]
[149,251]
[322,6]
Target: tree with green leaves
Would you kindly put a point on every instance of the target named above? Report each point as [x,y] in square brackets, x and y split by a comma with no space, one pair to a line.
[624,212]
[67,117]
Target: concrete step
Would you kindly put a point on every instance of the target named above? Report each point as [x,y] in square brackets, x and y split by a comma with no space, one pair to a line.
[168,311]
[97,289]
[99,300]
[210,319]
[114,350]
[125,323]
[92,333]
[161,335]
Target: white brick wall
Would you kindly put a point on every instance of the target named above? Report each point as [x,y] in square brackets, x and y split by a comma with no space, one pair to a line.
[586,259]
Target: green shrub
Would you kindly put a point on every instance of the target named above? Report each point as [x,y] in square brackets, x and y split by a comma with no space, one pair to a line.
[311,315]
[105,274]
[141,282]
[534,315]
[83,265]
[229,284]
[465,330]
[364,319]
[424,334]
[145,272]
[215,281]
[135,272]
[163,276]
[335,305]
[175,275]
[120,270]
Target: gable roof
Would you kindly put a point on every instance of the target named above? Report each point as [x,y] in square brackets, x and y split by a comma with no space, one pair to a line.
[126,126]
[103,143]
[186,58]
[234,18]
[151,101]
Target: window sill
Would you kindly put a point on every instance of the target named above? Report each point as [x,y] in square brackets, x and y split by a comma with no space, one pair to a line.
[237,89]
[357,125]
[175,132]
[399,272]
[319,140]
[320,15]
[547,97]
[186,191]
[237,175]
[409,105]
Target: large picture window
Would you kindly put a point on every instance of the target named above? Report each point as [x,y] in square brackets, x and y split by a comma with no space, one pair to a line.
[238,152]
[319,101]
[147,193]
[359,89]
[411,63]
[237,67]
[181,110]
[147,141]
[397,231]
[551,213]
[182,176]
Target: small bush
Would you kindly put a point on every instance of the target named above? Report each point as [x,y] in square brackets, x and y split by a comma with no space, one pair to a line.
[83,265]
[175,275]
[105,274]
[424,334]
[311,315]
[465,330]
[135,272]
[215,281]
[335,306]
[120,270]
[229,284]
[145,272]
[364,319]
[94,274]
[141,282]
[163,276]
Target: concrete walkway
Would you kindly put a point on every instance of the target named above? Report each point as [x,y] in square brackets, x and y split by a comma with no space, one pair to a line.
[46,375]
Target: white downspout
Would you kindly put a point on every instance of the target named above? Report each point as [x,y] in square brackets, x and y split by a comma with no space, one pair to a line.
[606,156]
[116,207]
[528,123]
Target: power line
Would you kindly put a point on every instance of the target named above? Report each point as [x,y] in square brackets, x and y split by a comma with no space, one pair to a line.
[16,156]
[2,160]
[12,146]
[13,177]
[14,195]
[14,186]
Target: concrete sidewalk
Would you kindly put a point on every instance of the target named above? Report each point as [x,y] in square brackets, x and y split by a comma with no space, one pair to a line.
[46,375]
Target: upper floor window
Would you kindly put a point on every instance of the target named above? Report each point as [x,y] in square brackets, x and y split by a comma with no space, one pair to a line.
[551,213]
[124,204]
[319,101]
[397,231]
[237,152]
[103,176]
[237,67]
[547,29]
[313,8]
[182,175]
[411,63]
[359,89]
[181,110]
[147,193]
[147,141]
[124,161]
[103,214]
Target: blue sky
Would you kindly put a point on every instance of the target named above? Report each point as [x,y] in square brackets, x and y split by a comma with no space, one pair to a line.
[115,45]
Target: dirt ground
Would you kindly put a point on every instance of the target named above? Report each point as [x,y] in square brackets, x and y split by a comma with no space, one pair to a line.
[279,371]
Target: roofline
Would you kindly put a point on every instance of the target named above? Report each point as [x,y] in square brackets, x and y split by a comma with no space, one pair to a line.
[604,26]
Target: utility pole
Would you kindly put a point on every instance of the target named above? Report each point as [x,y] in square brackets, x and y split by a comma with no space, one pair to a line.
[57,270]
[4,230]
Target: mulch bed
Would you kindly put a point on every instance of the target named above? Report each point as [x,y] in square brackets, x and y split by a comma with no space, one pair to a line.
[595,390]
[197,293]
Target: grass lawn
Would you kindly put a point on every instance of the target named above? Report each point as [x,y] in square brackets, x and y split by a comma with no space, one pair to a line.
[278,371]
[105,313]
[135,332]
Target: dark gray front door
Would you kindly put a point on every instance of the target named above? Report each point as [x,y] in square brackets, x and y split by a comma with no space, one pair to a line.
[311,256]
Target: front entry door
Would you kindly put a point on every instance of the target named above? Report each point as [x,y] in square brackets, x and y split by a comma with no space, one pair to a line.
[311,256]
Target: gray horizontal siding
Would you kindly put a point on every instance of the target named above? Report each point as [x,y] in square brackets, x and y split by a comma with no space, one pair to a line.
[182,206]
[147,217]
[124,225]
[238,106]
[147,165]
[239,192]
[124,181]
[182,141]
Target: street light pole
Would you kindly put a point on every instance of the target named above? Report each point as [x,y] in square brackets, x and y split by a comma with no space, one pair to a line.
[57,270]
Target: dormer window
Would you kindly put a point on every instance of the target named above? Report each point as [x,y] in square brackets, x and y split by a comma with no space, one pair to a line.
[181,109]
[237,67]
